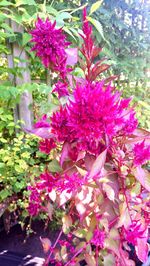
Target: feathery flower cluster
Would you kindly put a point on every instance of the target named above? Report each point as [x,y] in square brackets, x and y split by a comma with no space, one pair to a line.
[34,201]
[49,45]
[42,122]
[98,238]
[46,145]
[61,88]
[134,232]
[92,116]
[70,183]
[141,153]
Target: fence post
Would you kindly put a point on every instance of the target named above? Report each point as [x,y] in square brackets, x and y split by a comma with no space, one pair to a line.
[25,111]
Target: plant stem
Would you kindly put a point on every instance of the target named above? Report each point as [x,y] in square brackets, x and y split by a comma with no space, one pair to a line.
[96,256]
[75,255]
[48,259]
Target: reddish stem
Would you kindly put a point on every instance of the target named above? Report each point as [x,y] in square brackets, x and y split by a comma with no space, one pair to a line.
[75,255]
[48,259]
[96,256]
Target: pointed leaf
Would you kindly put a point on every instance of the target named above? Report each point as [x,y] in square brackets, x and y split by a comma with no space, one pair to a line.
[98,164]
[143,176]
[95,6]
[64,153]
[98,26]
[90,260]
[43,132]
[142,249]
[72,56]
[109,191]
[46,243]
[109,260]
[67,223]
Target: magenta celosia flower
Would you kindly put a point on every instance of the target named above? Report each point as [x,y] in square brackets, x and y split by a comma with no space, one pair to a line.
[48,181]
[49,45]
[33,208]
[70,183]
[59,124]
[42,122]
[98,238]
[92,116]
[134,231]
[34,201]
[46,145]
[141,153]
[61,88]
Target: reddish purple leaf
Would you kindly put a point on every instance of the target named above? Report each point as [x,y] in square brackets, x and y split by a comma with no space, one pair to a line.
[72,56]
[142,249]
[98,164]
[143,176]
[65,152]
[43,132]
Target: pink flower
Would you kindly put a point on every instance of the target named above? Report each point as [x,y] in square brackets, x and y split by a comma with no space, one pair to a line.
[34,201]
[48,181]
[61,89]
[141,153]
[91,116]
[98,238]
[70,183]
[33,208]
[46,145]
[50,44]
[134,232]
[42,122]
[59,124]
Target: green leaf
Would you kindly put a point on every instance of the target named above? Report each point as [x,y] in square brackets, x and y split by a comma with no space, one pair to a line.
[5,3]
[26,38]
[18,168]
[95,6]
[64,15]
[54,166]
[3,140]
[18,186]
[51,10]
[6,27]
[98,26]
[79,8]
[4,194]
[25,2]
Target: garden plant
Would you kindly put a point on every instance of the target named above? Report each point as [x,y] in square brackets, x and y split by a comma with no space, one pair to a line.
[100,180]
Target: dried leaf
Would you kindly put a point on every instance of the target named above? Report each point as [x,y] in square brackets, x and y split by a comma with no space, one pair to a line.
[46,243]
